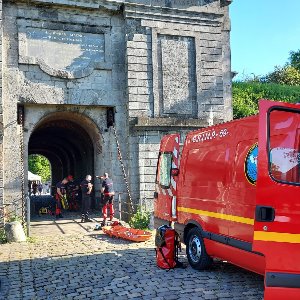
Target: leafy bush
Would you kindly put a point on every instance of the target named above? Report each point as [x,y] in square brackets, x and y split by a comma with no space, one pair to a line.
[246,95]
[140,220]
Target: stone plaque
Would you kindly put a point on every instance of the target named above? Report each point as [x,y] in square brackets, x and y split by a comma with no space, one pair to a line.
[62,53]
[177,75]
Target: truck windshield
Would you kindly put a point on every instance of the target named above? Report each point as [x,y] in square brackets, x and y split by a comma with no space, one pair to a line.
[284,157]
[164,172]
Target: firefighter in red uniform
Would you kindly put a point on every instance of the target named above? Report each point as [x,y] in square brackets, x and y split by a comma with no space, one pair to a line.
[108,194]
[60,192]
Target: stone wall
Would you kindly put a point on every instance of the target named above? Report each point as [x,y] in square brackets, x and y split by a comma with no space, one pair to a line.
[61,60]
[178,69]
[164,66]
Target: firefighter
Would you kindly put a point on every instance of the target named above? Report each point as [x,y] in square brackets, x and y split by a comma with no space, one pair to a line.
[72,193]
[60,196]
[86,191]
[108,193]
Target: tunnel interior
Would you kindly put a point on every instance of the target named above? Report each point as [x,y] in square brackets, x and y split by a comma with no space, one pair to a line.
[68,147]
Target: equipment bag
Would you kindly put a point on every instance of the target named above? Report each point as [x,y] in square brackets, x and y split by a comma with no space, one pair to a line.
[167,245]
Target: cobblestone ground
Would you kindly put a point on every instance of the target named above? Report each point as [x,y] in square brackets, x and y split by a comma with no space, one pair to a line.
[85,264]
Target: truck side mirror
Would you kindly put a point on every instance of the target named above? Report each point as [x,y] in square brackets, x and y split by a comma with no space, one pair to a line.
[175,172]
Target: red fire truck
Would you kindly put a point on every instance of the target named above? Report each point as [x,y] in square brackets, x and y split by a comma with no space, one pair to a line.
[236,195]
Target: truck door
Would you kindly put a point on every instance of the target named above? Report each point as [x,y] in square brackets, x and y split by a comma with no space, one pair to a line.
[166,178]
[277,215]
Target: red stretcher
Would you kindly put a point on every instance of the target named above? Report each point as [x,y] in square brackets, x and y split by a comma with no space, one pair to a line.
[131,234]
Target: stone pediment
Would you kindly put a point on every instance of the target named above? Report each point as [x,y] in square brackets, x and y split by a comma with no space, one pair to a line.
[96,4]
[116,5]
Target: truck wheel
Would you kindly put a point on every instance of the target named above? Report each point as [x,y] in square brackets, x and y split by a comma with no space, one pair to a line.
[195,250]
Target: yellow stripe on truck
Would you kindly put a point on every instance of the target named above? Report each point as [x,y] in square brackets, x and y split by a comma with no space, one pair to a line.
[277,237]
[211,214]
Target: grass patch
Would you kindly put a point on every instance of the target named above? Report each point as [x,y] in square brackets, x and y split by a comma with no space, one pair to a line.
[32,239]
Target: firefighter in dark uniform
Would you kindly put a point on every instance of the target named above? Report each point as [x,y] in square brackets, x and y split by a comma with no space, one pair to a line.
[86,191]
[60,192]
[108,197]
[72,193]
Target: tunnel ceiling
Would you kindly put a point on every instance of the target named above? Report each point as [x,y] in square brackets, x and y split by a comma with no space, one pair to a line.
[66,144]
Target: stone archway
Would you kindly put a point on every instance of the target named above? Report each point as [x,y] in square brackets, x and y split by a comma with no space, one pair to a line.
[70,140]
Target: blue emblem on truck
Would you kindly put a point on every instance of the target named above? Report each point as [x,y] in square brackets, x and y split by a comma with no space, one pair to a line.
[251,164]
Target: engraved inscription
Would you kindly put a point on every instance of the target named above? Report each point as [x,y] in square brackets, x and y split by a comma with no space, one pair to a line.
[177,72]
[64,51]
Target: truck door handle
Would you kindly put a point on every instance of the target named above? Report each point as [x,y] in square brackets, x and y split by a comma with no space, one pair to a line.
[264,213]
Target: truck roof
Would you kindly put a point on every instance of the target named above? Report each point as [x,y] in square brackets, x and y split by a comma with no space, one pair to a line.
[216,132]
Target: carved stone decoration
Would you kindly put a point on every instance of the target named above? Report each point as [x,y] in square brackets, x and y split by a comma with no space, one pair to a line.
[65,54]
[177,75]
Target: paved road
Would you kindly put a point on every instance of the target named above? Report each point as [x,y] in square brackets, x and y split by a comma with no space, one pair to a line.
[77,263]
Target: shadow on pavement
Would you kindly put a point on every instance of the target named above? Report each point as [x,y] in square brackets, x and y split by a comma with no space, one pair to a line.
[117,269]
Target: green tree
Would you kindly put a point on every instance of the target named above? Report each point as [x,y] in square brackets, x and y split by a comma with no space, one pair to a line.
[295,59]
[289,74]
[246,95]
[40,165]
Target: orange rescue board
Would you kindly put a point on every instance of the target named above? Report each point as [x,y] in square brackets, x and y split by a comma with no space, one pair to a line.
[131,234]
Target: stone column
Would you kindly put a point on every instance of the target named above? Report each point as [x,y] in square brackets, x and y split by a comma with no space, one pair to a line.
[226,66]
[1,114]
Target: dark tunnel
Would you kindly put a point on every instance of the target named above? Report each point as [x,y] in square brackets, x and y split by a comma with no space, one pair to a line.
[67,146]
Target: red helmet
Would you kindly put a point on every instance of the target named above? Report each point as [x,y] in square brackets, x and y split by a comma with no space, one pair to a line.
[70,177]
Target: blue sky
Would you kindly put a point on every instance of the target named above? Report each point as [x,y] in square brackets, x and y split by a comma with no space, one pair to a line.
[263,32]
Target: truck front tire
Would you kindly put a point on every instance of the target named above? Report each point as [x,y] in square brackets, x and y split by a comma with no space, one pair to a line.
[195,250]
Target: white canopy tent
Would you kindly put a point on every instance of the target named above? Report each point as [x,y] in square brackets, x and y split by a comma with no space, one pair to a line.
[34,177]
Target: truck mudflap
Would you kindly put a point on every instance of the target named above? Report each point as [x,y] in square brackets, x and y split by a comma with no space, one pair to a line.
[180,230]
[277,222]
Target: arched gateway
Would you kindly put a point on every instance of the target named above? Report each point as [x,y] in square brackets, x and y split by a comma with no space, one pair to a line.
[68,140]
[160,65]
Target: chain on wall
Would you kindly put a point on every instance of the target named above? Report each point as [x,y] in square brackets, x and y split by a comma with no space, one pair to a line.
[123,168]
[20,122]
